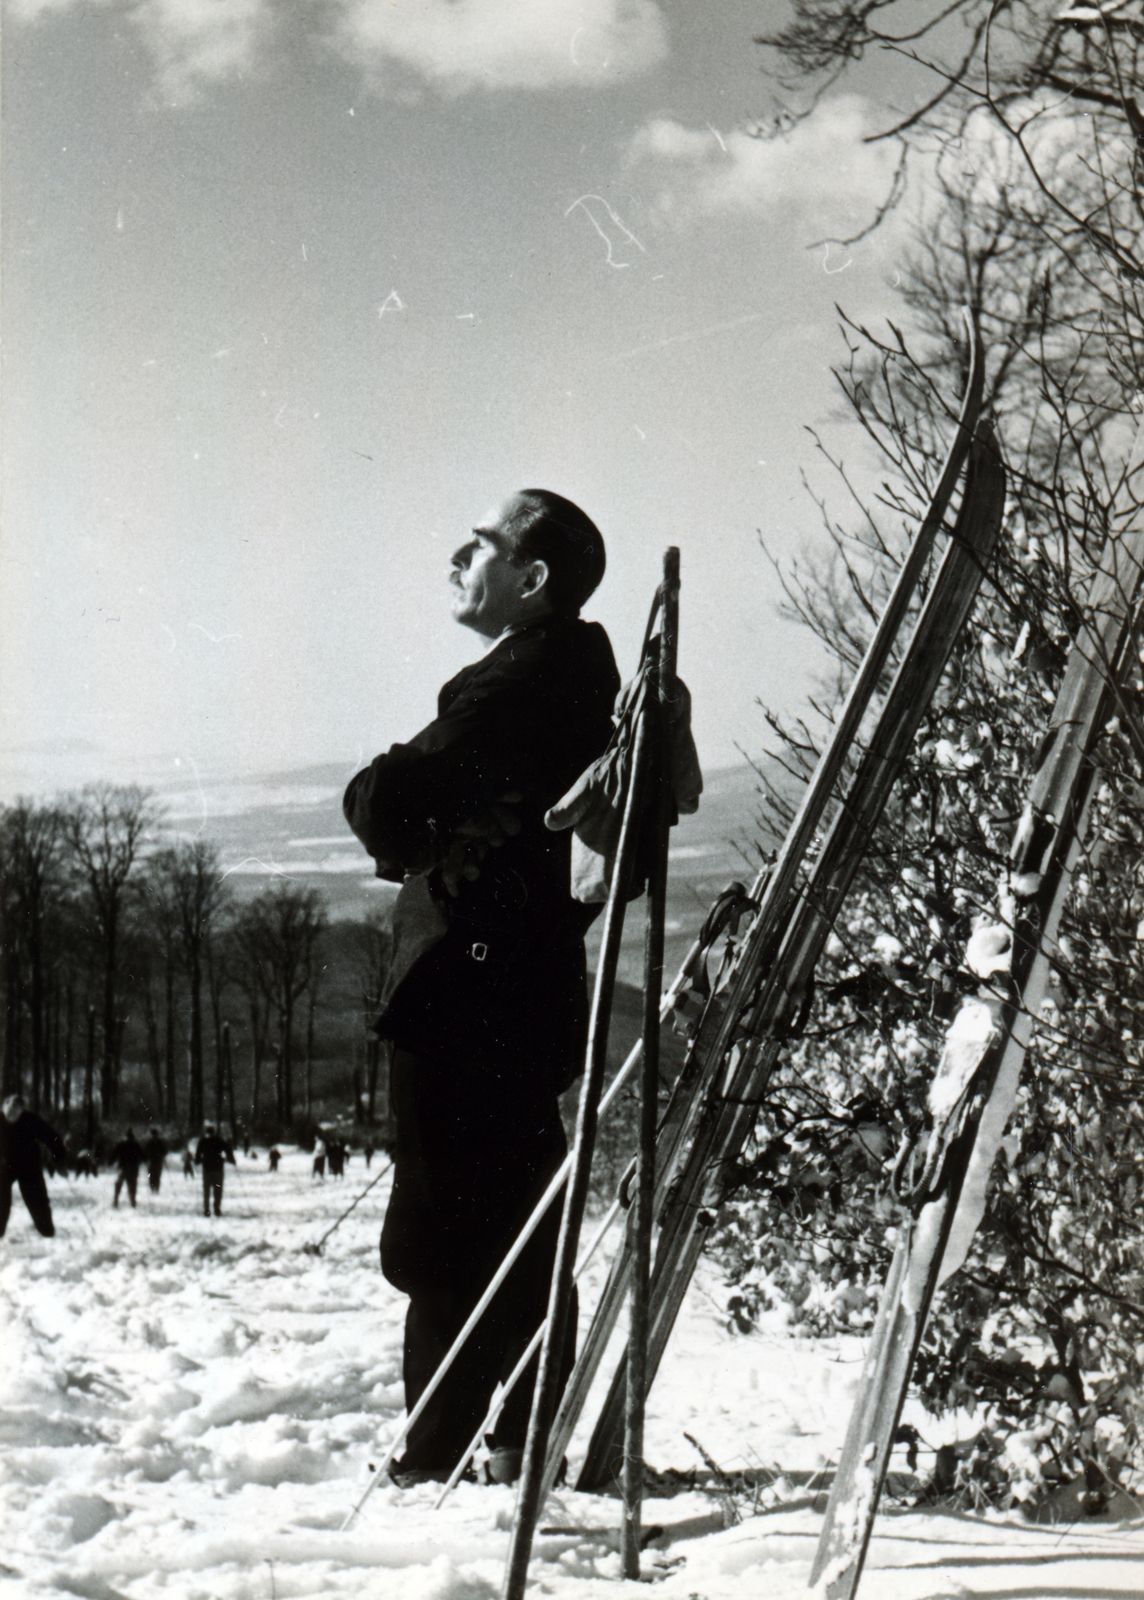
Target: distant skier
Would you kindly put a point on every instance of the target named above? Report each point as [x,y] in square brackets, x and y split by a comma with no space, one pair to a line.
[336,1156]
[210,1154]
[318,1170]
[155,1154]
[274,1156]
[21,1135]
[367,1152]
[188,1163]
[128,1157]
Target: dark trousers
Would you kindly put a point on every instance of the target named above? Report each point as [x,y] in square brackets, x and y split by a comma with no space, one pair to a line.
[473,1155]
[154,1178]
[212,1187]
[35,1193]
[130,1177]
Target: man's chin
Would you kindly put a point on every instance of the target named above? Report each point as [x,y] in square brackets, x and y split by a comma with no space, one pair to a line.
[467,615]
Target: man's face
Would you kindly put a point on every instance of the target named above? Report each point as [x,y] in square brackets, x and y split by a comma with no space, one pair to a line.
[491,591]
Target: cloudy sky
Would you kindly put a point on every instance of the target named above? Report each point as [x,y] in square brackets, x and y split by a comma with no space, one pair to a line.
[293,294]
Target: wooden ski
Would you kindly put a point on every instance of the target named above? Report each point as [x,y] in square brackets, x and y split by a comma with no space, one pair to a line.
[975,1086]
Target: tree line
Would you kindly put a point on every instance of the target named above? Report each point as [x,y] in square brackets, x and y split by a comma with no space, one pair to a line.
[120,947]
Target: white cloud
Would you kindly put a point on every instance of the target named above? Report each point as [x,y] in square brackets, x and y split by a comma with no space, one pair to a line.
[820,170]
[457,45]
[192,42]
[195,42]
[400,45]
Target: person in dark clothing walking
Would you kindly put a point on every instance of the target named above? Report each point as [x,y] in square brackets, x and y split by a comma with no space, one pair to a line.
[21,1135]
[486,998]
[274,1156]
[188,1163]
[211,1152]
[128,1156]
[155,1154]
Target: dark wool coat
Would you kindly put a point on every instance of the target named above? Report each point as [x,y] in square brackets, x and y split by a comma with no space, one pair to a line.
[494,977]
[211,1151]
[128,1155]
[19,1146]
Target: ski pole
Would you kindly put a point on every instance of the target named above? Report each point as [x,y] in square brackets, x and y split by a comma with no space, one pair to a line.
[316,1249]
[643,1211]
[517,1372]
[82,1208]
[575,1195]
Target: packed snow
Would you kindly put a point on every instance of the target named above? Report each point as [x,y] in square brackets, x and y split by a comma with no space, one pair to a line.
[189,1407]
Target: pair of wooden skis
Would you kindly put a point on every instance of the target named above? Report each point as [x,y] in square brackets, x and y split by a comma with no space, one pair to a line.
[714,1103]
[975,1087]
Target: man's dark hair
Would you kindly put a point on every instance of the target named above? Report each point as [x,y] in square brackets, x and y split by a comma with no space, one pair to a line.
[546,527]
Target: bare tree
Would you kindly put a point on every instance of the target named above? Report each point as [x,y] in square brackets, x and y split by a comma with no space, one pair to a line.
[31,864]
[374,953]
[105,828]
[193,886]
[277,934]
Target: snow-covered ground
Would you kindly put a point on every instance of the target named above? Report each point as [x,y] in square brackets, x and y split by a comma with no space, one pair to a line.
[188,1408]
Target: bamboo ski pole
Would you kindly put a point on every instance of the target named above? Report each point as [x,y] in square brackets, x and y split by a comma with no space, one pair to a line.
[545,1394]
[316,1249]
[642,1214]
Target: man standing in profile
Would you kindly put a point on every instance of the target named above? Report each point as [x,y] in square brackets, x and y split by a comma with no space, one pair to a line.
[486,999]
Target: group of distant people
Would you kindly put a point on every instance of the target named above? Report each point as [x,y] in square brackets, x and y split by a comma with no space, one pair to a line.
[26,1137]
[129,1155]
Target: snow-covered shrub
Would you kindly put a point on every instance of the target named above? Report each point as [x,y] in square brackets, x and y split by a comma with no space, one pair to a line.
[1040,1333]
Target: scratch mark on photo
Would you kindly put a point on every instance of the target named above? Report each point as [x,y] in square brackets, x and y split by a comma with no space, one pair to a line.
[215,638]
[271,867]
[719,136]
[199,786]
[594,220]
[392,302]
[696,333]
[833,271]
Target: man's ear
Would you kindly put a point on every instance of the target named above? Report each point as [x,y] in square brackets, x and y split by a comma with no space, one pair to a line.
[535,577]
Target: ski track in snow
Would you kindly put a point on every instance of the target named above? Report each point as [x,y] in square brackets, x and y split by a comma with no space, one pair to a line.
[188,1408]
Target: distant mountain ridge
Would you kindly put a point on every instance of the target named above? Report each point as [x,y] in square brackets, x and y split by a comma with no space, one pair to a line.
[290,824]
